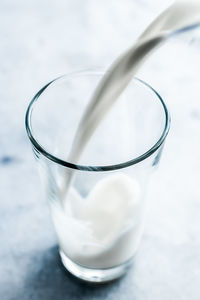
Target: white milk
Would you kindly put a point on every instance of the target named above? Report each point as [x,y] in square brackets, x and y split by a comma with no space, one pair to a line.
[104,230]
[180,16]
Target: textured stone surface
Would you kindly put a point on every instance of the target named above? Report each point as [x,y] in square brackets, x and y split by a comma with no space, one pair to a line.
[41,40]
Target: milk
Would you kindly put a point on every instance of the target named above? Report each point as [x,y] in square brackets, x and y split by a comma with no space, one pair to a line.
[103,230]
[180,16]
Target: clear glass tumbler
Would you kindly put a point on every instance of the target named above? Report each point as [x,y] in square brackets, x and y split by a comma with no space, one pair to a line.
[99,217]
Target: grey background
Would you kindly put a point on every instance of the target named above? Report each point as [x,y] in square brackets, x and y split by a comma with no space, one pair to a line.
[40,40]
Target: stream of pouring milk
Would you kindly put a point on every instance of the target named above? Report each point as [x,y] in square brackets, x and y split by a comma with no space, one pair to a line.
[90,242]
[180,16]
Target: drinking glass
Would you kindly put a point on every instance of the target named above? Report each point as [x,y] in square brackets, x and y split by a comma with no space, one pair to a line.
[98,202]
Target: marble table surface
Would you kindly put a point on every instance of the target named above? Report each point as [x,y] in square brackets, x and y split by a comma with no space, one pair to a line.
[42,39]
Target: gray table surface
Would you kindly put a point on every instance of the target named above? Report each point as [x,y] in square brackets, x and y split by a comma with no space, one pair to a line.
[40,40]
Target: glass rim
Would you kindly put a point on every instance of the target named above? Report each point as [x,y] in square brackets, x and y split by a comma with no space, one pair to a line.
[39,148]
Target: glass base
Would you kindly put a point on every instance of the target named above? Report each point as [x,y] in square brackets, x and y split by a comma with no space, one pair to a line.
[94,275]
